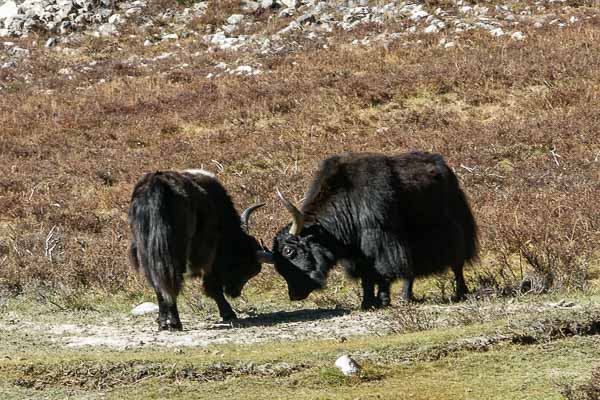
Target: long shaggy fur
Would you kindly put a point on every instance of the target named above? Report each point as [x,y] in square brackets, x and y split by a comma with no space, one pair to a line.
[184,223]
[382,218]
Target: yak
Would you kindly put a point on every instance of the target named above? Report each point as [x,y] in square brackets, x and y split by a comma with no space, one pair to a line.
[183,223]
[382,218]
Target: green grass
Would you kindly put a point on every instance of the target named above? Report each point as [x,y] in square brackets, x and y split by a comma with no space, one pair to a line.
[430,364]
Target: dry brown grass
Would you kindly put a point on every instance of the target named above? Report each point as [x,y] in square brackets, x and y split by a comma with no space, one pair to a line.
[496,109]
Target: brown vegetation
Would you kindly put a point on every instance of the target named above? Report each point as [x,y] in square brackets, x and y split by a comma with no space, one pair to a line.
[518,121]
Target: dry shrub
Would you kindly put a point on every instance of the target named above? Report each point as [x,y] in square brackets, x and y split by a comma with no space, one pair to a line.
[517,121]
[409,317]
[585,391]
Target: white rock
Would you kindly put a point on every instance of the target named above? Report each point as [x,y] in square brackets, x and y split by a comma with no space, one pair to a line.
[147,43]
[18,52]
[517,36]
[249,5]
[449,45]
[51,42]
[266,4]
[235,19]
[170,36]
[144,308]
[116,19]
[107,30]
[497,32]
[538,25]
[289,3]
[347,365]
[432,29]
[8,10]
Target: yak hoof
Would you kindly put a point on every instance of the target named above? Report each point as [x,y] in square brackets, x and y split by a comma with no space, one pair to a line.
[372,304]
[459,297]
[229,317]
[410,300]
[170,326]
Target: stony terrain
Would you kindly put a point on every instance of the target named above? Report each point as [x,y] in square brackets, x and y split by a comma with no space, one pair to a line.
[274,26]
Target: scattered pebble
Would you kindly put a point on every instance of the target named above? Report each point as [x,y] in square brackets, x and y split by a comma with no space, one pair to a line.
[144,308]
[347,365]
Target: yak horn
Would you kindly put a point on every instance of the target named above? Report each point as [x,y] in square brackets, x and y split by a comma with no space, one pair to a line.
[298,217]
[245,218]
[265,257]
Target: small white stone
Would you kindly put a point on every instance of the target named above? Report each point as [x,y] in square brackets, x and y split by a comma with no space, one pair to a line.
[289,3]
[144,308]
[347,365]
[170,36]
[449,45]
[497,32]
[432,29]
[235,19]
[147,43]
[517,36]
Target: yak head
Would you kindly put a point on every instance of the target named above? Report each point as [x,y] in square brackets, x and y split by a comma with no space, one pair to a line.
[248,265]
[301,254]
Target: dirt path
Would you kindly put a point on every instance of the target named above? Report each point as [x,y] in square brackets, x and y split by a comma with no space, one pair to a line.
[123,331]
[134,332]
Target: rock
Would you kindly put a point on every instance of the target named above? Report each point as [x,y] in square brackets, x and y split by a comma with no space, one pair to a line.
[538,25]
[144,308]
[347,365]
[8,10]
[147,43]
[249,6]
[307,18]
[267,4]
[563,303]
[289,3]
[170,36]
[517,36]
[497,32]
[51,42]
[116,19]
[18,52]
[235,19]
[432,29]
[107,30]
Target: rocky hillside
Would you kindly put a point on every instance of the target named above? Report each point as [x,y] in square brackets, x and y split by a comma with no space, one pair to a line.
[272,26]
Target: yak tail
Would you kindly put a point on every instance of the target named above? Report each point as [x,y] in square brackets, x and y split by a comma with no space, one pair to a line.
[154,224]
[467,220]
[471,231]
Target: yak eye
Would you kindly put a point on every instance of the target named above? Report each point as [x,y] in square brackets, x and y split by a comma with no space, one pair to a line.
[289,252]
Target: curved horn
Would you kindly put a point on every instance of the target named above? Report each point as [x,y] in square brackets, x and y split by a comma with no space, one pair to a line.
[245,218]
[298,217]
[265,257]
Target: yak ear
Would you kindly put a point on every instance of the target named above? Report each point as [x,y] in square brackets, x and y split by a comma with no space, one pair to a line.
[265,257]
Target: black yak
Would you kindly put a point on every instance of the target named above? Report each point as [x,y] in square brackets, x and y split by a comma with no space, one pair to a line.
[184,223]
[382,218]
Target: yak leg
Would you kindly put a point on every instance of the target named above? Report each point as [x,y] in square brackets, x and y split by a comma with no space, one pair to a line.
[214,290]
[383,293]
[461,286]
[369,300]
[168,315]
[407,289]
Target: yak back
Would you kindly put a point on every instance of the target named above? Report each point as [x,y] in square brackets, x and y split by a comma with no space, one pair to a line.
[406,210]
